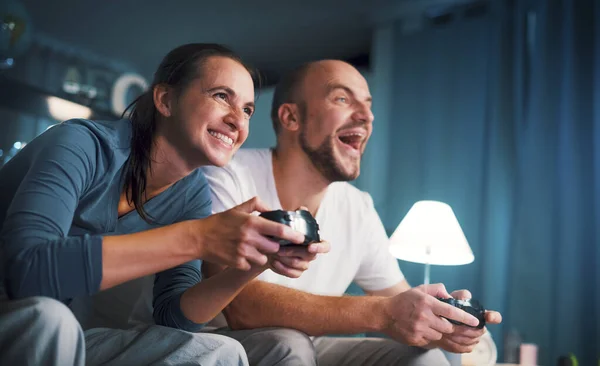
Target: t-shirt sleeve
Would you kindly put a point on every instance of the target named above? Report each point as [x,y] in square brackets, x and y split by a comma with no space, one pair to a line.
[169,285]
[378,269]
[39,257]
[226,191]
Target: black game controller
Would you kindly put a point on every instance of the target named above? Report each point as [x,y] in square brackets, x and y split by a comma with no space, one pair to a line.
[472,307]
[300,220]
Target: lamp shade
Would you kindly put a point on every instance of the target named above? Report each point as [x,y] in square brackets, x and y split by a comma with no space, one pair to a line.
[431,234]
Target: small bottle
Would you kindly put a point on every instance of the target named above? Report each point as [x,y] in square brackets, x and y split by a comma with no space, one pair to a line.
[512,344]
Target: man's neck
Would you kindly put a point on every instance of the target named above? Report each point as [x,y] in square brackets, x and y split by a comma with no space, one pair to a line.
[297,181]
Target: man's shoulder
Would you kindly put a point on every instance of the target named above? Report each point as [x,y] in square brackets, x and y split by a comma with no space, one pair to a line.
[244,164]
[349,201]
[250,158]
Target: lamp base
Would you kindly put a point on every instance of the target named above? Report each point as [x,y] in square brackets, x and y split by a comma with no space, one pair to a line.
[427,270]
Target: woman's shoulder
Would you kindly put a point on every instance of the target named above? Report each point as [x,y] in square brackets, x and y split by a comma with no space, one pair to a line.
[195,193]
[114,134]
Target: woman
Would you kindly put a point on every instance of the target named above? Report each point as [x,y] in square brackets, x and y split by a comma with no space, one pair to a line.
[90,205]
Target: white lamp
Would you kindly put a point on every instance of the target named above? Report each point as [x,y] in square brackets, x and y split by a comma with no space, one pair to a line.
[431,234]
[62,109]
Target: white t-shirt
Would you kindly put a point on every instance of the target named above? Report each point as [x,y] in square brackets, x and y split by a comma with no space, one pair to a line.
[347,220]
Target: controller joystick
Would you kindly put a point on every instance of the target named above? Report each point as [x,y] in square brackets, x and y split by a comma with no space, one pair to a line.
[471,306]
[299,220]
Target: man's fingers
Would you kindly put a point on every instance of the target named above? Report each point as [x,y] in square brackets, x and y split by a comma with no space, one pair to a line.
[432,335]
[461,294]
[493,317]
[450,312]
[284,270]
[294,263]
[296,251]
[320,247]
[463,341]
[441,325]
[451,346]
[461,330]
[436,290]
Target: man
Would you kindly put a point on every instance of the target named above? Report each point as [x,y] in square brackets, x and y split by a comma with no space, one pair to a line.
[322,118]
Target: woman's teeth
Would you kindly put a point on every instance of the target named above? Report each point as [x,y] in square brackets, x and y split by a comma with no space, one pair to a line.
[226,139]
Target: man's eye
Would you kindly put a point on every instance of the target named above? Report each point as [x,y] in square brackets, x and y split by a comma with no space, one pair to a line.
[342,99]
[221,96]
[248,111]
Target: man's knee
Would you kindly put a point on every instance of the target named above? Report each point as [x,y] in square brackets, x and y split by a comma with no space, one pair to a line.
[429,357]
[412,356]
[226,350]
[280,346]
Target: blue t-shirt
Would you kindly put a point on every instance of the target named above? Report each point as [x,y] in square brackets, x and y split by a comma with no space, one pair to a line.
[59,197]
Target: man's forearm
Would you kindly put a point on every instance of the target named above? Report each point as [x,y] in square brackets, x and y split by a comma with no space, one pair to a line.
[263,304]
[206,299]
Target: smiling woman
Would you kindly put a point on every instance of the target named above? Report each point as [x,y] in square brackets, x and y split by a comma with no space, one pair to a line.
[89,205]
[174,112]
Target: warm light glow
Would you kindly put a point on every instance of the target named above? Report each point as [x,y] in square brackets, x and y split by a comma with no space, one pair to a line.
[62,109]
[430,233]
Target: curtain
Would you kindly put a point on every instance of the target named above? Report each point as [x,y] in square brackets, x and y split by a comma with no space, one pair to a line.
[498,115]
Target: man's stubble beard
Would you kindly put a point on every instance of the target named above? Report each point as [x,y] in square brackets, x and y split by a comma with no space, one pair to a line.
[323,159]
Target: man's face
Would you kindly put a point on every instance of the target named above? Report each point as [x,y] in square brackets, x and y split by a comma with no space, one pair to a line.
[336,119]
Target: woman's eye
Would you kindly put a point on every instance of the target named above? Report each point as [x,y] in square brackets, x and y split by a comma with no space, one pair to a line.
[248,111]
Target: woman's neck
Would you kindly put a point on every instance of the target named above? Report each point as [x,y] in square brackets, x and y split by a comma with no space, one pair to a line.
[167,166]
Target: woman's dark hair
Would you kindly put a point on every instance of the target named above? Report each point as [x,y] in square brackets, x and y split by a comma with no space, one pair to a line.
[179,67]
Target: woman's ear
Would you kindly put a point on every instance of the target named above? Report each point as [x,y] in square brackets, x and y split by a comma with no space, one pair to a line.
[289,117]
[161,94]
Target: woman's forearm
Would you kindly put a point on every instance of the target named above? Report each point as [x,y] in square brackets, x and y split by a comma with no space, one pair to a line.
[204,301]
[126,257]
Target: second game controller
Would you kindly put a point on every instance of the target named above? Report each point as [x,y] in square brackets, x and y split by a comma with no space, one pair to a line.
[472,307]
[300,220]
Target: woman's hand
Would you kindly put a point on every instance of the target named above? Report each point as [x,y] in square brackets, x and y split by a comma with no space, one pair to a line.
[238,239]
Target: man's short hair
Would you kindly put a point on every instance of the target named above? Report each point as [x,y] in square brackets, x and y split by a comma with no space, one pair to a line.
[286,91]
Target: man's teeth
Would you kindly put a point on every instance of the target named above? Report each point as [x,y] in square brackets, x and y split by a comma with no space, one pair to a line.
[226,139]
[353,134]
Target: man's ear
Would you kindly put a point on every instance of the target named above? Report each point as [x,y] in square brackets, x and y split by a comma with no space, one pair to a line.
[289,116]
[161,94]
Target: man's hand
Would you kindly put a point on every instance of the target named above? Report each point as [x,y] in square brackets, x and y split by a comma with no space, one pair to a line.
[293,260]
[290,261]
[464,339]
[415,317]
